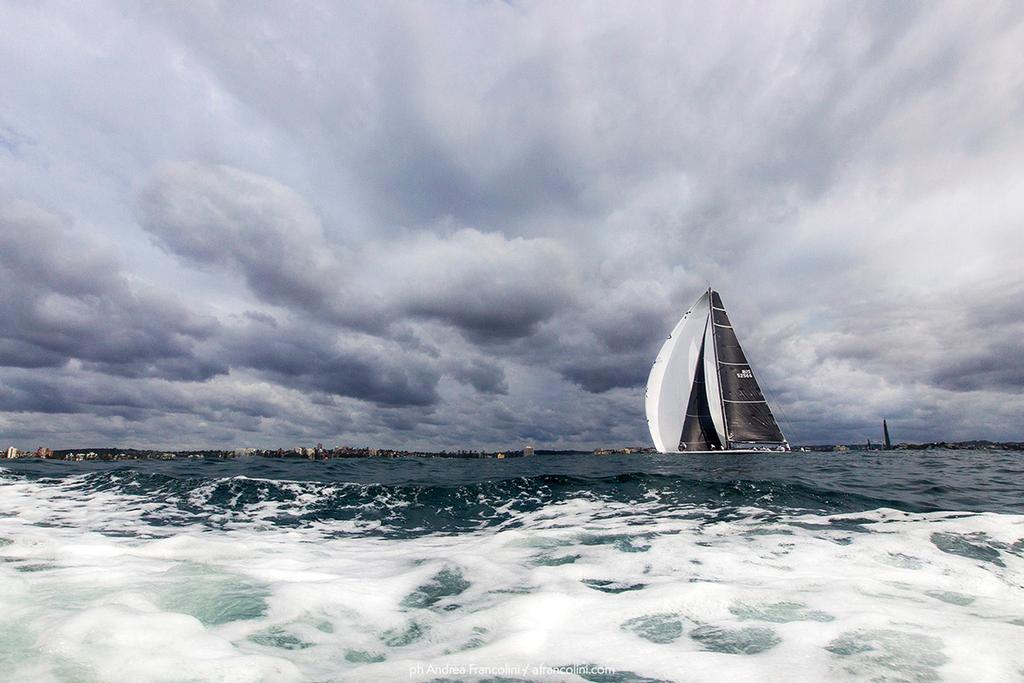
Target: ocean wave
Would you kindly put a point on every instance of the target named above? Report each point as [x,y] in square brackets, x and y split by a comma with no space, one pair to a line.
[164,499]
[131,575]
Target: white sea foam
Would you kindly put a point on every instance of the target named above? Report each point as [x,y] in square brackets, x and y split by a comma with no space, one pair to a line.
[92,591]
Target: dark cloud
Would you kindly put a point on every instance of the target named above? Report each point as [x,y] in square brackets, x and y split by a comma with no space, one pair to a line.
[304,356]
[64,296]
[262,230]
[994,367]
[21,354]
[603,374]
[36,395]
[486,285]
[489,287]
[485,376]
[955,341]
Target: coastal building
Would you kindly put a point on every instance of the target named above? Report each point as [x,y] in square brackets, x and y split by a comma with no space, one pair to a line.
[11,452]
[79,457]
[527,450]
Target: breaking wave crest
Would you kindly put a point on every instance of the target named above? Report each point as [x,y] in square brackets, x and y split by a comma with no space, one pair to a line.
[401,509]
[398,498]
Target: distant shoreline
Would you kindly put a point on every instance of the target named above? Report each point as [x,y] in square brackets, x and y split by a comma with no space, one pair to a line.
[345,452]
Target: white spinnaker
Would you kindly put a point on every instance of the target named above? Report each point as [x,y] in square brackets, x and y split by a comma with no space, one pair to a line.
[671,378]
[713,384]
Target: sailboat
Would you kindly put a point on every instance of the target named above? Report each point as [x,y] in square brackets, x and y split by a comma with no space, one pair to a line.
[702,394]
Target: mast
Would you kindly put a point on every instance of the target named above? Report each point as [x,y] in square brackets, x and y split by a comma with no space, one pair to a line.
[718,372]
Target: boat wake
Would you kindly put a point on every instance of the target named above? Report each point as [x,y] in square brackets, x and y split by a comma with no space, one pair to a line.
[128,574]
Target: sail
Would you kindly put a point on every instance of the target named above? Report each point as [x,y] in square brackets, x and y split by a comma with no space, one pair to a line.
[748,419]
[671,380]
[701,393]
[699,433]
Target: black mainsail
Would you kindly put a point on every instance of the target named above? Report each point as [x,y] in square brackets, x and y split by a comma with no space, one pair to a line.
[702,393]
[748,419]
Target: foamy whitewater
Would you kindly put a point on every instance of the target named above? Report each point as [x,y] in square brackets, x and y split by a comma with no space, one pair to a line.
[805,567]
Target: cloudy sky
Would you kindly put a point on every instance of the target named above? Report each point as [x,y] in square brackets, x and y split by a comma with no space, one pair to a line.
[471,224]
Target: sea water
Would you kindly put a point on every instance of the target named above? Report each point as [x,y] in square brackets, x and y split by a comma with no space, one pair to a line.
[880,566]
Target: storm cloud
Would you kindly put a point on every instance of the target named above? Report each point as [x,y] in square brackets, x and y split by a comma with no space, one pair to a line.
[65,296]
[255,227]
[464,226]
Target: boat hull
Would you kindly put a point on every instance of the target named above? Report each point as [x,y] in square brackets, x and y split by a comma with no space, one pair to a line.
[730,451]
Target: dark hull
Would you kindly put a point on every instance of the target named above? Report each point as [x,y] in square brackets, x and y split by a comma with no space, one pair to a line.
[730,451]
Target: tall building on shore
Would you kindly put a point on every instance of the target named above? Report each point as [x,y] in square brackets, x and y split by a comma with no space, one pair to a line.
[527,450]
[11,452]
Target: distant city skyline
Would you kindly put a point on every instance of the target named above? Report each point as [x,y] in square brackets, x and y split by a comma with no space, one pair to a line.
[449,226]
